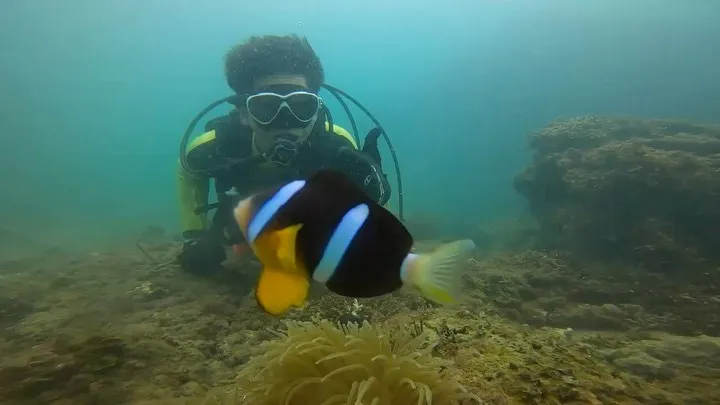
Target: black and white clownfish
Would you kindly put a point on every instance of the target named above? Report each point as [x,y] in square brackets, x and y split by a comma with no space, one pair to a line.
[326,229]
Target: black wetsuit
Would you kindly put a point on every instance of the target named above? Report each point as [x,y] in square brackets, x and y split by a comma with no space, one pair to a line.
[227,157]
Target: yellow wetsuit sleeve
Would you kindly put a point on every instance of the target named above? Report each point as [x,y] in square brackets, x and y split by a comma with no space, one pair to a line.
[193,189]
[192,193]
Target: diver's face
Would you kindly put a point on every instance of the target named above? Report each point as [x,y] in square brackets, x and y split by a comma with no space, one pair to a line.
[281,107]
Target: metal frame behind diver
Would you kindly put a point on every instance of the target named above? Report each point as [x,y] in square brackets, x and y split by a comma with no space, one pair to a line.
[332,90]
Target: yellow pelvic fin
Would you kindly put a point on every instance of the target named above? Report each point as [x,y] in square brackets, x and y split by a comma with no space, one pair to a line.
[439,274]
[279,290]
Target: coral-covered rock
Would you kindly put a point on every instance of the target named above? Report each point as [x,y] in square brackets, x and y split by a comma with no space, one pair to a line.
[648,190]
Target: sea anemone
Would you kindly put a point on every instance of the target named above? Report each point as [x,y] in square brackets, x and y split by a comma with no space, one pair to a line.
[324,364]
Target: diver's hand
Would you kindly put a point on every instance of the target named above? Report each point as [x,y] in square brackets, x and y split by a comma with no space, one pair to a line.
[366,173]
[202,253]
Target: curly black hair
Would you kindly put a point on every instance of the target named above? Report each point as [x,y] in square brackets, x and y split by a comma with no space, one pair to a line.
[272,54]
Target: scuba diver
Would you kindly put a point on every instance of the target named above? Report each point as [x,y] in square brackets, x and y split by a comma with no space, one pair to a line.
[278,130]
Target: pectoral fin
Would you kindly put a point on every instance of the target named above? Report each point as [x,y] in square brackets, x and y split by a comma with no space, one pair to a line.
[286,242]
[276,249]
[278,290]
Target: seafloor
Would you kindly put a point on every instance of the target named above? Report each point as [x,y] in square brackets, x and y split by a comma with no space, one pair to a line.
[583,309]
[114,328]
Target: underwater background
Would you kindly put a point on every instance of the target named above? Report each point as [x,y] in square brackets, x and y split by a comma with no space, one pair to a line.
[577,143]
[95,96]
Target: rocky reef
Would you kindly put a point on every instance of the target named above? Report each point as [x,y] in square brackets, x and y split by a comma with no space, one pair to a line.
[643,191]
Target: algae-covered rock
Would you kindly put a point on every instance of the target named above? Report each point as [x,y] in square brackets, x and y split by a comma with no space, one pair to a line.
[66,370]
[553,289]
[679,360]
[646,190]
[646,366]
[13,309]
[596,317]
[699,350]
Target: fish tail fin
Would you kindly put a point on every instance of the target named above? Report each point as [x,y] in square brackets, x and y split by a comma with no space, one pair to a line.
[438,274]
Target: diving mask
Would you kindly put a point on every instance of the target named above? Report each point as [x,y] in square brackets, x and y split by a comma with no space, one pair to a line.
[265,107]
